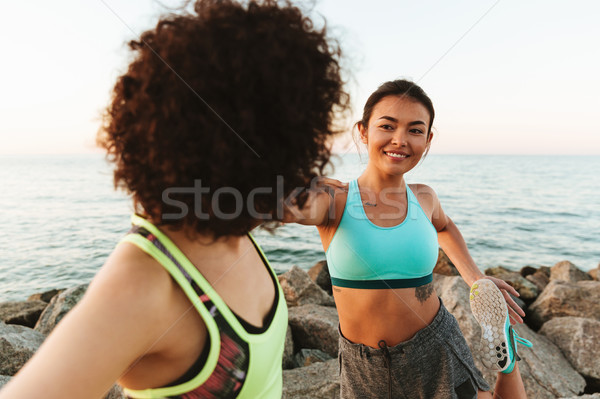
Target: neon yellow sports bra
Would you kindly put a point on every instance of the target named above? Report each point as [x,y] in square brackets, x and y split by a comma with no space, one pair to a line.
[239,360]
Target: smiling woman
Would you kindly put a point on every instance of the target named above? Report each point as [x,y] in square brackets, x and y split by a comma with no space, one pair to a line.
[398,133]
[381,239]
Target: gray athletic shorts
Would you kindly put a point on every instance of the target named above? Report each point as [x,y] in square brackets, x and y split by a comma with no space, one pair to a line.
[434,364]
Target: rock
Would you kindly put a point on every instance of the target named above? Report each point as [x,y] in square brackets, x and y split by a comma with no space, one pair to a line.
[579,340]
[455,296]
[444,265]
[306,357]
[45,296]
[524,287]
[561,298]
[58,307]
[592,385]
[116,392]
[319,273]
[288,350]
[315,327]
[299,289]
[319,380]
[546,373]
[592,396]
[519,301]
[540,279]
[17,345]
[594,273]
[527,270]
[545,269]
[566,271]
[22,313]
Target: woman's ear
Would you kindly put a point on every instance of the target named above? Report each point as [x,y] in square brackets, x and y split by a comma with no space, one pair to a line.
[362,131]
[429,138]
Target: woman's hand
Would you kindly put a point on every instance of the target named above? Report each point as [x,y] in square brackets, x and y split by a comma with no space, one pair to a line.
[323,182]
[514,311]
[316,209]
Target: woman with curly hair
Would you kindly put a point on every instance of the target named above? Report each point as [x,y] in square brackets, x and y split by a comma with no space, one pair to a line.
[216,108]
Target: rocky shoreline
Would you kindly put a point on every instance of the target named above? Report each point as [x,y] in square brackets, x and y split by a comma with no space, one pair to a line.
[562,304]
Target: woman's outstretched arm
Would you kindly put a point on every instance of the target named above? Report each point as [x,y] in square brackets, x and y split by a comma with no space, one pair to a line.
[93,346]
[319,207]
[452,242]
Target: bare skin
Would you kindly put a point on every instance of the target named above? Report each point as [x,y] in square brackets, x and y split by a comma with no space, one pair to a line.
[398,127]
[136,325]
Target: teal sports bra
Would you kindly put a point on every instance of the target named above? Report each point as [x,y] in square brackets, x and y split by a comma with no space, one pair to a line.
[364,255]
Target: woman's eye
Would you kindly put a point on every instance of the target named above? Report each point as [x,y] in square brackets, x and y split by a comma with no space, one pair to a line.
[386,127]
[416,131]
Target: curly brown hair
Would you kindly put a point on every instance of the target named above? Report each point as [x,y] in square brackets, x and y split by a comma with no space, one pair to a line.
[232,95]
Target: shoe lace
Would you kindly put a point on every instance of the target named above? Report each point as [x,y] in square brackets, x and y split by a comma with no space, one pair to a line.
[522,341]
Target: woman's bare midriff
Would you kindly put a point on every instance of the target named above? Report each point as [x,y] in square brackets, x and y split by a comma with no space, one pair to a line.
[393,315]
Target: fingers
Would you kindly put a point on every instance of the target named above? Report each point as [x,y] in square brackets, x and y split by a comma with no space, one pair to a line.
[327,181]
[514,311]
[503,285]
[328,186]
[512,304]
[514,317]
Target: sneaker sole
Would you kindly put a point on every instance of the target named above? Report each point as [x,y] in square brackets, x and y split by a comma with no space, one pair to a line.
[490,310]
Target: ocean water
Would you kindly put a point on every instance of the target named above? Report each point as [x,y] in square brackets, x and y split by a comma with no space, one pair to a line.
[60,217]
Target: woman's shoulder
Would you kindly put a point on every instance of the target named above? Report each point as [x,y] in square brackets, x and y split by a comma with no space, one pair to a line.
[132,281]
[421,189]
[130,266]
[427,198]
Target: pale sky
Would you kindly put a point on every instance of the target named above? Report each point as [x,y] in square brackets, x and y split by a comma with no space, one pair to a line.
[505,77]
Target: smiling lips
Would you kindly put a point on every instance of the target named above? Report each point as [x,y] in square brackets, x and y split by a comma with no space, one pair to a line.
[396,155]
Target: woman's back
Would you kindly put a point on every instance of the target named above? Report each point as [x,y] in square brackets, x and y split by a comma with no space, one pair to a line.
[232,296]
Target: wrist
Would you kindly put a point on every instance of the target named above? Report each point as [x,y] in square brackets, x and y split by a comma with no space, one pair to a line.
[471,278]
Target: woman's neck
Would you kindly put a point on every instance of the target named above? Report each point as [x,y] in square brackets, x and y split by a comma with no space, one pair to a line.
[373,179]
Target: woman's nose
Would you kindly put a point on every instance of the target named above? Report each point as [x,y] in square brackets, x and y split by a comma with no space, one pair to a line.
[399,137]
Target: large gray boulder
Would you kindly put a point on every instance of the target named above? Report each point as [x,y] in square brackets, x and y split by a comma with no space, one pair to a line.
[455,295]
[17,345]
[566,271]
[319,273]
[299,289]
[24,313]
[306,357]
[594,273]
[315,327]
[45,296]
[561,299]
[115,393]
[288,350]
[58,307]
[527,270]
[527,290]
[540,278]
[319,380]
[444,265]
[579,340]
[546,372]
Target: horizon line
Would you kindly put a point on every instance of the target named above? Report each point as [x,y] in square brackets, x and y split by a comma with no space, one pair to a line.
[94,153]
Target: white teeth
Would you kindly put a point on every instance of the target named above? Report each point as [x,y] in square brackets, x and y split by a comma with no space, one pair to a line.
[391,154]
